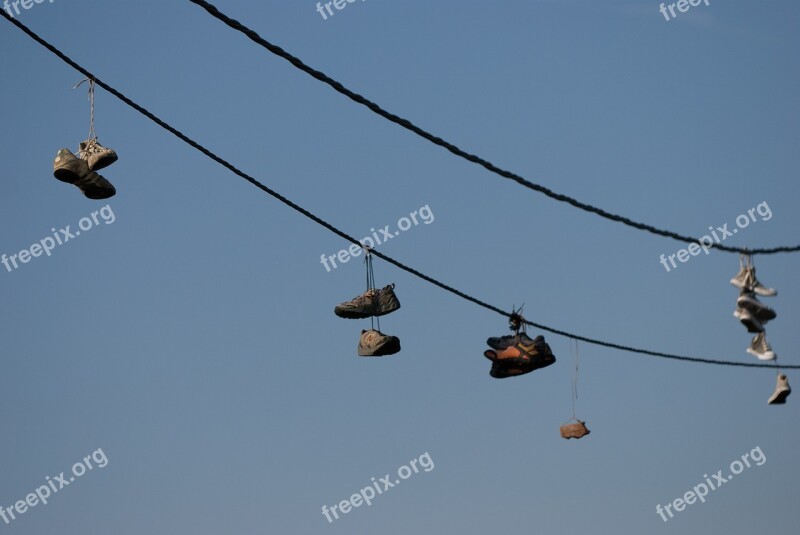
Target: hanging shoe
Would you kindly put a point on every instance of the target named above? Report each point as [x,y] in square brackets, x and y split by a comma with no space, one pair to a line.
[373,302]
[73,170]
[760,348]
[741,278]
[748,301]
[748,320]
[96,155]
[374,343]
[501,342]
[782,391]
[520,358]
[757,287]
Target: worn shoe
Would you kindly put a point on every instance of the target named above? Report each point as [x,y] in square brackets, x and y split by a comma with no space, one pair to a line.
[501,342]
[782,391]
[73,170]
[374,343]
[748,320]
[750,302]
[746,280]
[96,155]
[760,348]
[520,358]
[373,302]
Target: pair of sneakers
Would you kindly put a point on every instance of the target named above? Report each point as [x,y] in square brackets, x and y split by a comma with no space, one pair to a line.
[517,354]
[82,171]
[749,310]
[374,302]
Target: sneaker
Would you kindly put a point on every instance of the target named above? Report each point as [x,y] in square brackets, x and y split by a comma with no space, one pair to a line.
[374,343]
[96,155]
[760,348]
[501,342]
[748,301]
[70,169]
[782,391]
[746,280]
[758,288]
[373,302]
[748,320]
[520,358]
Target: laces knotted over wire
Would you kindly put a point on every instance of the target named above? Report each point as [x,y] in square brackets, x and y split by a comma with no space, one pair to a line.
[90,145]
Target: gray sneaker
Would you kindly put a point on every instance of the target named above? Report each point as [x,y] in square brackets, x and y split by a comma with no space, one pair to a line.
[73,170]
[96,155]
[782,391]
[373,302]
[374,343]
[760,348]
[746,280]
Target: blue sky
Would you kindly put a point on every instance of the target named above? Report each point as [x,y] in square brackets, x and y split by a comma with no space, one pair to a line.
[193,339]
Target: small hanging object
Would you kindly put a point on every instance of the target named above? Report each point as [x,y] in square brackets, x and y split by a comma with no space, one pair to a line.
[753,314]
[372,304]
[577,429]
[782,390]
[80,171]
[517,354]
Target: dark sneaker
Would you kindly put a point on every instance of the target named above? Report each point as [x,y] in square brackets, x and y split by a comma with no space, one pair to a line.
[749,302]
[760,348]
[501,342]
[782,391]
[96,155]
[748,320]
[373,302]
[520,358]
[70,169]
[374,343]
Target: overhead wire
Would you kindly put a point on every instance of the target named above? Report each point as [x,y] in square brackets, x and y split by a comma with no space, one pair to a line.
[408,125]
[183,137]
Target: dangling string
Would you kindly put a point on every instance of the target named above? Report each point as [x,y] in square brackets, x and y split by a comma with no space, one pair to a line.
[92,139]
[371,284]
[574,377]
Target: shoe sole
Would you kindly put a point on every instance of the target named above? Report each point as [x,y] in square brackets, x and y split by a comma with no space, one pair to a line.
[351,314]
[762,356]
[780,399]
[102,163]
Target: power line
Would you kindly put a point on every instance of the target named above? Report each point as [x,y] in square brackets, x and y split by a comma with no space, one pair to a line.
[408,125]
[183,137]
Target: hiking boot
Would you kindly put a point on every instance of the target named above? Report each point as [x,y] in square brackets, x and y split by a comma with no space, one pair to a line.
[373,302]
[374,343]
[501,342]
[96,155]
[760,348]
[70,169]
[782,391]
[748,301]
[748,320]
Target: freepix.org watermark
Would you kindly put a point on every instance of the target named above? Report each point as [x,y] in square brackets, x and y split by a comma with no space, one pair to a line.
[53,485]
[682,5]
[46,245]
[404,223]
[705,242]
[338,4]
[367,494]
[701,490]
[26,4]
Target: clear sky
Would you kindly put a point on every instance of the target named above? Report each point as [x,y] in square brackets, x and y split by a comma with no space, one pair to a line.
[192,340]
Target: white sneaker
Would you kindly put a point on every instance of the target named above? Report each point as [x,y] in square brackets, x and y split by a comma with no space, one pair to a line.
[748,301]
[760,348]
